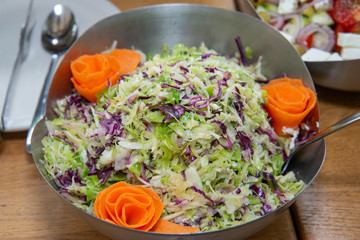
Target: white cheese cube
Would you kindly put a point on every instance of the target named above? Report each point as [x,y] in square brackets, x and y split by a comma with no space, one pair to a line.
[350,53]
[322,18]
[349,40]
[334,57]
[323,5]
[287,6]
[314,55]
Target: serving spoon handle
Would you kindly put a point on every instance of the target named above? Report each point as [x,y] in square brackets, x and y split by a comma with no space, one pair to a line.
[59,32]
[329,130]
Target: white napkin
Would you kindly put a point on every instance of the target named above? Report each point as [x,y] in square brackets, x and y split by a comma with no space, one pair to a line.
[32,72]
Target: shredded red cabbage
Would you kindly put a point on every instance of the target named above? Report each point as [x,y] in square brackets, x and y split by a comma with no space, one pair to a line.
[212,70]
[74,147]
[103,174]
[172,111]
[210,54]
[199,103]
[238,104]
[270,133]
[245,141]
[202,193]
[270,177]
[221,125]
[132,98]
[112,125]
[184,69]
[178,82]
[66,179]
[73,100]
[257,192]
[147,127]
[164,85]
[261,81]
[242,59]
[198,221]
[143,171]
[184,75]
[91,164]
[187,153]
[282,197]
[229,143]
[265,209]
[172,65]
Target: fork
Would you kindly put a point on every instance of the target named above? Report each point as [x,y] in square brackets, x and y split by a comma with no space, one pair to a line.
[24,45]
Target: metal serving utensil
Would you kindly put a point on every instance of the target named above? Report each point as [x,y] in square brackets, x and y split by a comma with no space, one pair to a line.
[24,46]
[59,32]
[247,7]
[337,126]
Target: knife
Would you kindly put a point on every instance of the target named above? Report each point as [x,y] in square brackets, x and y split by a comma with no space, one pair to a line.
[24,45]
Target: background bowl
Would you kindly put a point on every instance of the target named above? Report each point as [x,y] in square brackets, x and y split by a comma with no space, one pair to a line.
[338,75]
[147,29]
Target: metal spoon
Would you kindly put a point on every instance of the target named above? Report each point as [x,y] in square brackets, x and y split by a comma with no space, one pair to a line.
[337,126]
[59,32]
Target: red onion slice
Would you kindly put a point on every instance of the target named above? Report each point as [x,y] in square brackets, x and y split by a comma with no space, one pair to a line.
[311,28]
[309,5]
[276,20]
[294,25]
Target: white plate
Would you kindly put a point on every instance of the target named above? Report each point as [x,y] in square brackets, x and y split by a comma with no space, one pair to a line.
[32,72]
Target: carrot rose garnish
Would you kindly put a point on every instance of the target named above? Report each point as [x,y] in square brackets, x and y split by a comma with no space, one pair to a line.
[92,73]
[289,102]
[129,206]
[134,207]
[164,226]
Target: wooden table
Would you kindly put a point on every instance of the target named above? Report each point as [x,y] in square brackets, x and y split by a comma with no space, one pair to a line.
[328,209]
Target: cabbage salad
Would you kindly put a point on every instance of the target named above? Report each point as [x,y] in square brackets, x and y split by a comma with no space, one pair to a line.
[189,124]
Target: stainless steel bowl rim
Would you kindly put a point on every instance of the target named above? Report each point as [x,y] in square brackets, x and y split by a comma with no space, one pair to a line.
[228,24]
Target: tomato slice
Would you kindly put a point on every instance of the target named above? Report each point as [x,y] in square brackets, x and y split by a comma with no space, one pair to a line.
[309,40]
[346,12]
[355,28]
[338,28]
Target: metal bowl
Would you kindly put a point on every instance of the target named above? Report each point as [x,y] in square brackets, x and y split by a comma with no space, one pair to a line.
[338,75]
[147,29]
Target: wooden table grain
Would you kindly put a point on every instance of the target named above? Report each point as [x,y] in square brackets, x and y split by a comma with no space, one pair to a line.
[328,209]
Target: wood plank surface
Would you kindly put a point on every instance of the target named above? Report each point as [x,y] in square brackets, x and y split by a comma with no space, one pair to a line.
[329,209]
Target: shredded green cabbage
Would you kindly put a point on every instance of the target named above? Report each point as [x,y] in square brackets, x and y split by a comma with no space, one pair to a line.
[189,124]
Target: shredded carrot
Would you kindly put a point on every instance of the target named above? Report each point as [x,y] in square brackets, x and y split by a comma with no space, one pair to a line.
[135,207]
[164,226]
[93,73]
[289,102]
